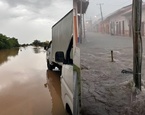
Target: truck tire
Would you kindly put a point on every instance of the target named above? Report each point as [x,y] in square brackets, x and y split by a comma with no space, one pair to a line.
[49,66]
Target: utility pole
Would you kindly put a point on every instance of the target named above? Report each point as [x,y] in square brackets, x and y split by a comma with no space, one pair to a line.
[80,36]
[137,42]
[101,10]
[84,27]
[101,14]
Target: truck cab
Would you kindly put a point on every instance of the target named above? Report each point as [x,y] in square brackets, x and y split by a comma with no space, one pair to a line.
[49,55]
[66,78]
[70,79]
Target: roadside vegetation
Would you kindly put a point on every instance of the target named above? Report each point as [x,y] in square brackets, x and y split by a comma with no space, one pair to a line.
[7,42]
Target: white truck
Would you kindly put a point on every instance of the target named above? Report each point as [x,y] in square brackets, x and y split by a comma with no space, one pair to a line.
[62,33]
[59,54]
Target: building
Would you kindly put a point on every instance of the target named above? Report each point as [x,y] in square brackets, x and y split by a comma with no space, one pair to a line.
[120,22]
[88,25]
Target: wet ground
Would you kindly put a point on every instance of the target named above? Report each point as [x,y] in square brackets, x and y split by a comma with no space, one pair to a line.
[105,89]
[26,86]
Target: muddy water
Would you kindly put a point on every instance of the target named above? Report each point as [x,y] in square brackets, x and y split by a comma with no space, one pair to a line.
[26,86]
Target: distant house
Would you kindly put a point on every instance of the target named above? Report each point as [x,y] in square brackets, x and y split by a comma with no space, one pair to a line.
[128,16]
[96,26]
[88,25]
[116,23]
[120,22]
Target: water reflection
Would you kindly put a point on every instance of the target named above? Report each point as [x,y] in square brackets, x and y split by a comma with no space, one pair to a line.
[36,50]
[4,54]
[22,81]
[54,86]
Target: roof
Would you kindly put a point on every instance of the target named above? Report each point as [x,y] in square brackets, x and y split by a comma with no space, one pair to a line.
[130,11]
[120,11]
[123,11]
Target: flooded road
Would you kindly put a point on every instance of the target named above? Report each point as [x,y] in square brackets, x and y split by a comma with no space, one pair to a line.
[107,88]
[26,86]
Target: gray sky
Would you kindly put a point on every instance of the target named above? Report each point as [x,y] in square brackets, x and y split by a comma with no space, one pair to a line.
[108,7]
[28,20]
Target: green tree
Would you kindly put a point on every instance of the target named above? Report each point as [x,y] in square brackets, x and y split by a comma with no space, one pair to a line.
[7,42]
[36,43]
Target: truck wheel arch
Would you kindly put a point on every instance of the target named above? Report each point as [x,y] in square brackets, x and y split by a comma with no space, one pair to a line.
[68,104]
[68,109]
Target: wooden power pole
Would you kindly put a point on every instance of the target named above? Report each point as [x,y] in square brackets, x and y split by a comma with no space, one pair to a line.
[80,36]
[102,18]
[101,10]
[137,42]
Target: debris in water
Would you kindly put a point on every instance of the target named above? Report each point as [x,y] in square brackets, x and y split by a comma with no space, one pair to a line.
[127,71]
[84,67]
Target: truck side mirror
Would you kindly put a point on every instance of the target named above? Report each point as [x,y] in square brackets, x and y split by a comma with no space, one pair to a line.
[59,56]
[45,47]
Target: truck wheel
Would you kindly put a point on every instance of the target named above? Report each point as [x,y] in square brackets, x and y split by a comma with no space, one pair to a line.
[49,66]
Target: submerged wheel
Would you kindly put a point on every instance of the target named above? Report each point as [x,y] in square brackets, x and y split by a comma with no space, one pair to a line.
[49,66]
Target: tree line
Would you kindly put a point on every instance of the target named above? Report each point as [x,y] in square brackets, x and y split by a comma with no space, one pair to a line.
[7,42]
[39,43]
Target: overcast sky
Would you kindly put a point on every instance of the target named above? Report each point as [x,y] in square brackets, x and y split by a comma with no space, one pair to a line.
[109,6]
[28,20]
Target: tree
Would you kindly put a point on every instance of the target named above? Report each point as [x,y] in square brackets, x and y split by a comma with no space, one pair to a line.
[7,42]
[36,43]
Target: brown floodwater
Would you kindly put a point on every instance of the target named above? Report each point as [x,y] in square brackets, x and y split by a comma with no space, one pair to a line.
[26,86]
